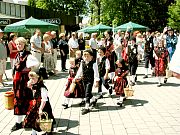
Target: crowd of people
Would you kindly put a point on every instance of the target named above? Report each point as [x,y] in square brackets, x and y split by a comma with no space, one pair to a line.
[112,62]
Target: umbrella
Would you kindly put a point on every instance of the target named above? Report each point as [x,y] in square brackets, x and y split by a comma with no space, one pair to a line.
[29,25]
[131,25]
[99,27]
[84,29]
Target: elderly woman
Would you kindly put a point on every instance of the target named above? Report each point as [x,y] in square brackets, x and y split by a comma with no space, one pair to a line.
[24,61]
[48,61]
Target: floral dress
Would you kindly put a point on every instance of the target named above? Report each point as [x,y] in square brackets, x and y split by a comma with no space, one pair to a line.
[22,94]
[161,61]
[121,81]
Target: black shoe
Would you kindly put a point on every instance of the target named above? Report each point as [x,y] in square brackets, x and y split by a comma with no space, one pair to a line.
[165,80]
[145,76]
[65,106]
[132,83]
[51,73]
[100,96]
[159,85]
[153,74]
[82,103]
[85,111]
[93,103]
[110,90]
[17,126]
[135,79]
[120,104]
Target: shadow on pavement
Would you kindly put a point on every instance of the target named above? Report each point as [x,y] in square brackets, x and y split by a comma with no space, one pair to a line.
[132,102]
[145,83]
[135,102]
[67,124]
[58,76]
[171,84]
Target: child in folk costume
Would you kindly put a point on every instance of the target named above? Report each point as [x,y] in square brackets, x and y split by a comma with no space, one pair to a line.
[78,91]
[161,62]
[132,60]
[78,58]
[88,71]
[39,104]
[120,80]
[103,68]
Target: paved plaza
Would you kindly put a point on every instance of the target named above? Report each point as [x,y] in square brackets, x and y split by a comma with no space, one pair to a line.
[151,111]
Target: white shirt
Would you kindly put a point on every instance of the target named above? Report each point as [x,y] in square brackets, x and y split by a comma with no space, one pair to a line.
[107,64]
[44,94]
[73,43]
[93,43]
[80,72]
[37,41]
[47,45]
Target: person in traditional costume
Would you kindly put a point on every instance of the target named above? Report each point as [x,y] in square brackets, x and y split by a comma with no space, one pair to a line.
[88,72]
[171,41]
[174,64]
[78,91]
[132,60]
[161,61]
[103,68]
[24,61]
[120,80]
[148,54]
[78,58]
[38,105]
[124,45]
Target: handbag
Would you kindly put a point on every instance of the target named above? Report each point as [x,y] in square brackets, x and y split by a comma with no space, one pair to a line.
[168,73]
[45,124]
[128,91]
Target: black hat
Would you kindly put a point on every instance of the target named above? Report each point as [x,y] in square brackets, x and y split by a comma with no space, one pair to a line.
[103,49]
[88,51]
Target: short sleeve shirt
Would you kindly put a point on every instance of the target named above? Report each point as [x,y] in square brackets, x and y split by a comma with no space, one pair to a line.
[37,41]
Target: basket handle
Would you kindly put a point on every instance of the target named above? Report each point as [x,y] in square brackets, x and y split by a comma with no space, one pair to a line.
[45,114]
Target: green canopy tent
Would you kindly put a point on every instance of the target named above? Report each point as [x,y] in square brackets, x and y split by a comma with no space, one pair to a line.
[85,30]
[29,25]
[133,26]
[98,28]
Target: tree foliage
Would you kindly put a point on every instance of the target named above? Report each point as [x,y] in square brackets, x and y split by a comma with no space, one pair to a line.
[174,15]
[151,13]
[76,7]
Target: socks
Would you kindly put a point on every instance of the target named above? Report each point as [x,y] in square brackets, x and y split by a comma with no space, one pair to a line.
[87,106]
[120,99]
[66,101]
[19,118]
[146,72]
[33,132]
[133,78]
[159,79]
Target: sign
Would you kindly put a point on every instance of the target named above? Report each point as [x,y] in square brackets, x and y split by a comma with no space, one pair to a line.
[53,21]
[4,22]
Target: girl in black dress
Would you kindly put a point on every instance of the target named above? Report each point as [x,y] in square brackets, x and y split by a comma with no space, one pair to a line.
[39,104]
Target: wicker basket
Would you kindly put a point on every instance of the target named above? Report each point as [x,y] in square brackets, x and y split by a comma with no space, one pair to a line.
[128,91]
[45,124]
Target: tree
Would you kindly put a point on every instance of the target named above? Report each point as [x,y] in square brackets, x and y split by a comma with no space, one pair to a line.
[151,13]
[76,7]
[174,15]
